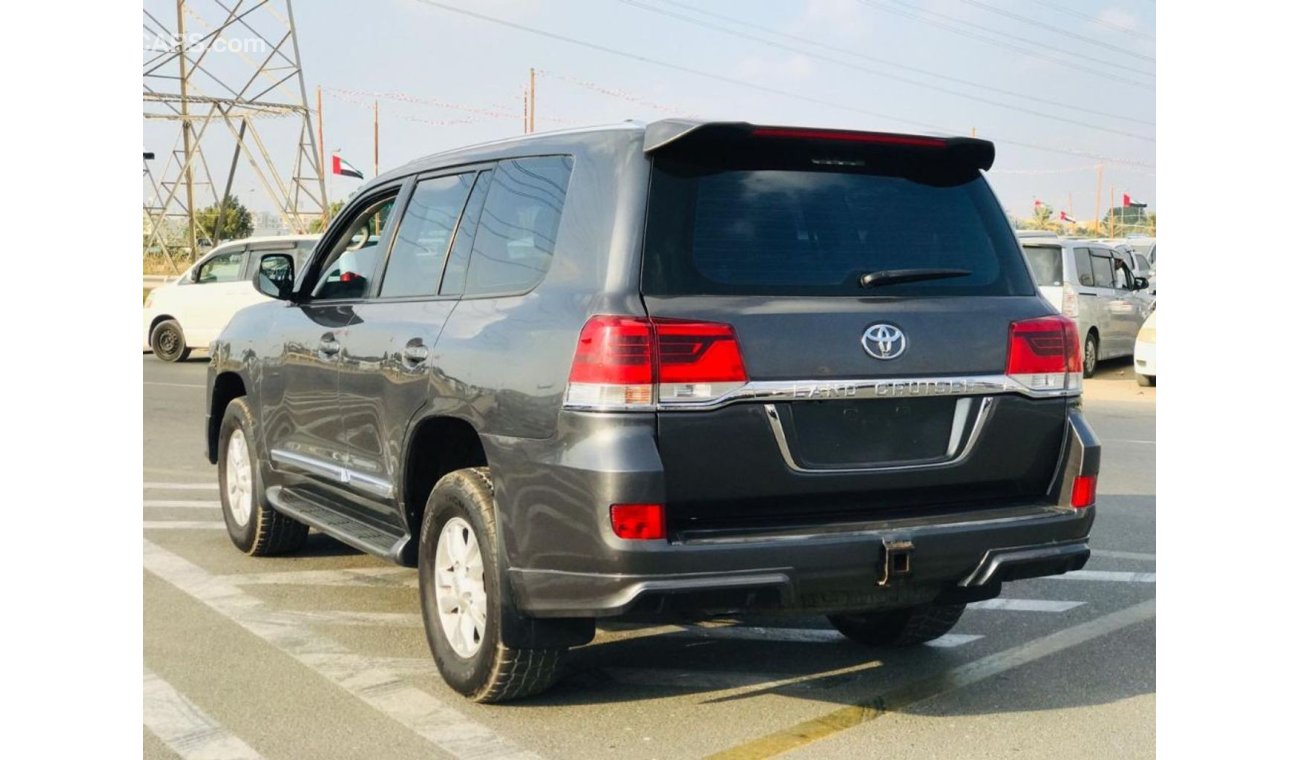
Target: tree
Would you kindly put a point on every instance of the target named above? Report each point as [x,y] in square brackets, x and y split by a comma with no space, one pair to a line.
[318,224]
[1044,219]
[228,220]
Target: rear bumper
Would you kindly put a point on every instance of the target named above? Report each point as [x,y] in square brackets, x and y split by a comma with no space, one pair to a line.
[1144,358]
[961,556]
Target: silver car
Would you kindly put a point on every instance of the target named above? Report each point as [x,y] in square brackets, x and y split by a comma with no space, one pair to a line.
[1092,283]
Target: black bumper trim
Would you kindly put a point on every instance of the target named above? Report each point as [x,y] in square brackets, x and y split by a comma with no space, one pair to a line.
[1028,562]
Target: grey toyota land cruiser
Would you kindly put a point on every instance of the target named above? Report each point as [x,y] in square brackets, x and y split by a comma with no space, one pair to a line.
[684,368]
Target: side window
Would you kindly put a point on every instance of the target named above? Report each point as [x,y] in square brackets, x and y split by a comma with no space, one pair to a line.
[1083,264]
[1103,269]
[1123,276]
[351,263]
[516,232]
[453,279]
[424,236]
[224,267]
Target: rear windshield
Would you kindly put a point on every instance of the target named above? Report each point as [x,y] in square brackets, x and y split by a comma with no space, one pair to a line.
[1045,263]
[736,231]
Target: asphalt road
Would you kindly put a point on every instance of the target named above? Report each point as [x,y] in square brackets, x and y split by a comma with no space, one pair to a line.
[321,654]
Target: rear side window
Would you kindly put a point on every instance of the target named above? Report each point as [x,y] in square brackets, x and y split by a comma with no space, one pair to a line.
[1083,265]
[516,231]
[424,236]
[1103,269]
[1045,263]
[735,231]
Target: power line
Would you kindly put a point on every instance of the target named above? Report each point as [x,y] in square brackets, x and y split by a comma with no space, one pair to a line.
[960,28]
[896,77]
[1056,29]
[906,67]
[752,85]
[1097,20]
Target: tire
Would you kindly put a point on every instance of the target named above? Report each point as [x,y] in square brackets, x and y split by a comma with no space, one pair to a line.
[1090,354]
[254,526]
[1146,381]
[904,627]
[466,641]
[168,341]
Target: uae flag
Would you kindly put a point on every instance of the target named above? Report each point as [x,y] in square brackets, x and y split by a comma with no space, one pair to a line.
[1067,218]
[348,170]
[1129,202]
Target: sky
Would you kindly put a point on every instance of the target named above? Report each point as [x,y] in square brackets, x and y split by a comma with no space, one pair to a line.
[1060,86]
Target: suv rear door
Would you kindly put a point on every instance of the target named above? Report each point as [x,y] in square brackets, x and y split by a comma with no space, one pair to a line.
[772,233]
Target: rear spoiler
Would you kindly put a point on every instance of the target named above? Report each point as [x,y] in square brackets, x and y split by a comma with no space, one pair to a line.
[681,135]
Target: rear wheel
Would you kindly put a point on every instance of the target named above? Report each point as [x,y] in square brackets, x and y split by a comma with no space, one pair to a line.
[904,627]
[1090,354]
[464,596]
[254,526]
[168,341]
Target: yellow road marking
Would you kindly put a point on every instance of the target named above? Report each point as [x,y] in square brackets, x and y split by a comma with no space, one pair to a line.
[964,675]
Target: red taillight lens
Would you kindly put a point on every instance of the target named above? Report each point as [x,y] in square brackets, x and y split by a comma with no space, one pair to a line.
[638,522]
[879,138]
[1084,493]
[1043,353]
[621,362]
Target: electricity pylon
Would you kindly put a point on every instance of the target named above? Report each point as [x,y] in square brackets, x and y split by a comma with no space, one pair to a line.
[217,70]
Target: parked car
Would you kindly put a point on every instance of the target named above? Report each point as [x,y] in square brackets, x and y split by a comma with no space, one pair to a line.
[649,369]
[188,312]
[1092,284]
[1138,264]
[1144,353]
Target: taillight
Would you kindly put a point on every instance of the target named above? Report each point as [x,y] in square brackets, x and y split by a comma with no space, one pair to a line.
[638,522]
[1084,493]
[634,362]
[1069,300]
[1043,354]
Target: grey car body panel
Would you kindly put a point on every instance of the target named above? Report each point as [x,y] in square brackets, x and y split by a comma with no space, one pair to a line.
[501,365]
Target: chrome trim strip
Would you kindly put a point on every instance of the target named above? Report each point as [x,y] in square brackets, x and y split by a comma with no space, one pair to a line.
[836,390]
[337,473]
[958,425]
[778,431]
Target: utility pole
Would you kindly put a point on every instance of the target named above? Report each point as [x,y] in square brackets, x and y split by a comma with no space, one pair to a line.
[1096,220]
[1112,211]
[376,138]
[532,100]
[187,135]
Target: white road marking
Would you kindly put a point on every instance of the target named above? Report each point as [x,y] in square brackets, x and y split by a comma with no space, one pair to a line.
[712,680]
[391,577]
[176,385]
[1024,605]
[360,675]
[181,486]
[184,525]
[1123,555]
[185,728]
[950,640]
[182,503]
[799,635]
[351,618]
[1108,575]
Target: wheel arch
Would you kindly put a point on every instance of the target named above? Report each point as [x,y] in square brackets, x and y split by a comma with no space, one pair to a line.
[435,445]
[226,387]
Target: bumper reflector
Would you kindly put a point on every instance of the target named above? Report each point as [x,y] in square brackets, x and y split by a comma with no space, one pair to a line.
[638,522]
[1084,493]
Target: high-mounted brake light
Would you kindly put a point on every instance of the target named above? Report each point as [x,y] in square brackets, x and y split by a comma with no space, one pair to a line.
[629,363]
[879,138]
[638,522]
[1043,354]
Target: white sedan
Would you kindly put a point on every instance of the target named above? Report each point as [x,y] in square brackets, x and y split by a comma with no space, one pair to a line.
[192,310]
[1144,353]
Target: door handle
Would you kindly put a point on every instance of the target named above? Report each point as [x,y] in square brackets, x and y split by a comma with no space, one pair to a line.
[415,353]
[328,345]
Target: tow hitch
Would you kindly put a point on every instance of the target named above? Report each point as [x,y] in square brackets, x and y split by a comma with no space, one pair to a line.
[898,561]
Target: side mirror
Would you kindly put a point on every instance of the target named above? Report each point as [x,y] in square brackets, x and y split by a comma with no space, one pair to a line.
[274,276]
[1141,283]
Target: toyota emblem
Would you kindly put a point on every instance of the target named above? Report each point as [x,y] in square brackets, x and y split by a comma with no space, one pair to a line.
[884,340]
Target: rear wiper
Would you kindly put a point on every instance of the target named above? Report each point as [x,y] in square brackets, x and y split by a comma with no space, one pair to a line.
[892,276]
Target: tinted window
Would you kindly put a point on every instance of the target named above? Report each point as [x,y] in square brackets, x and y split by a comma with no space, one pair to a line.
[773,231]
[453,279]
[1083,265]
[1143,264]
[516,231]
[424,235]
[1045,263]
[224,267]
[1103,269]
[351,263]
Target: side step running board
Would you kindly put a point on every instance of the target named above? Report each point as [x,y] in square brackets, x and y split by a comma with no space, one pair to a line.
[334,524]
